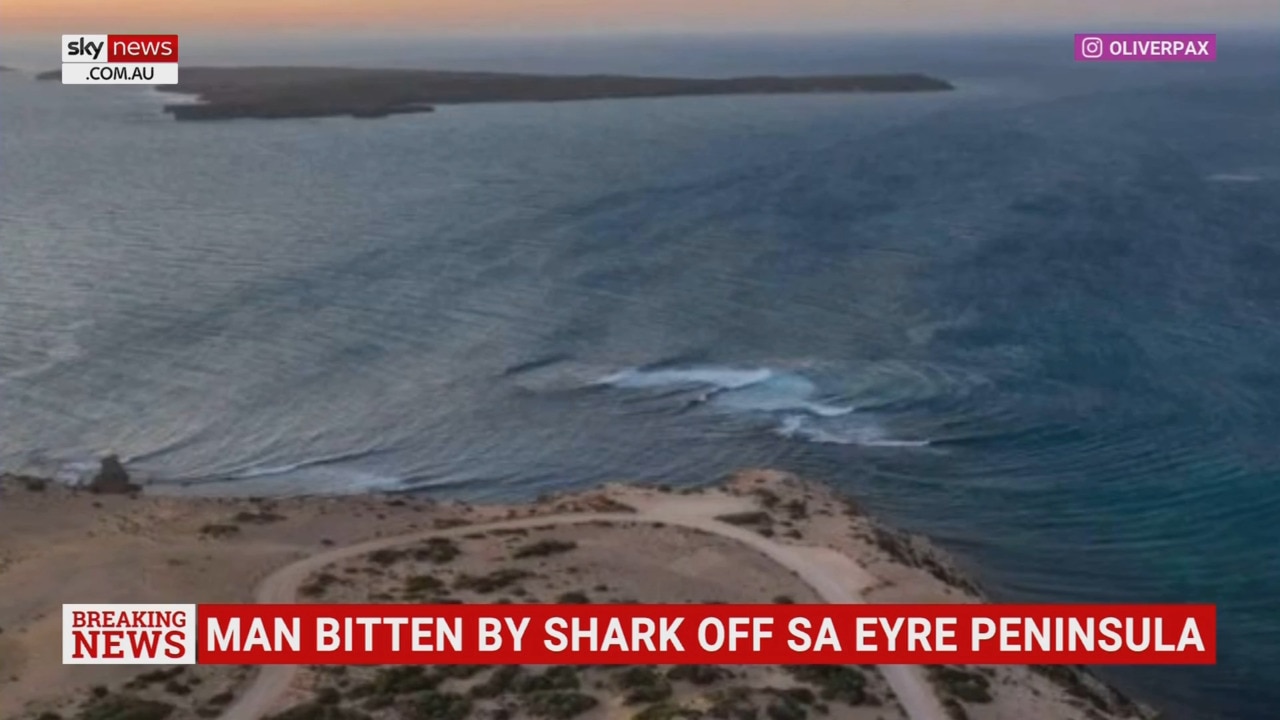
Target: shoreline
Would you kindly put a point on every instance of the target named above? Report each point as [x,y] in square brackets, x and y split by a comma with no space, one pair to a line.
[65,544]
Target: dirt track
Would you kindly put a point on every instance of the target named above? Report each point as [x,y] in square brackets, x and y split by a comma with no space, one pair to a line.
[834,576]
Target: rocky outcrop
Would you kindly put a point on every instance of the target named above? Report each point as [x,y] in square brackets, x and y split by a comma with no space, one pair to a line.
[112,478]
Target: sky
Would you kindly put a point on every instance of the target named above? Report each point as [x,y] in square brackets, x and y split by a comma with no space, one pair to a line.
[503,17]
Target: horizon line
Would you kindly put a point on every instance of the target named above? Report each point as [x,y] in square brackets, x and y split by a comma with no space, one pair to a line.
[673,33]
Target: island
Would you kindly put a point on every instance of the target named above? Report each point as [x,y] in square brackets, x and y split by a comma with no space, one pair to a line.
[301,92]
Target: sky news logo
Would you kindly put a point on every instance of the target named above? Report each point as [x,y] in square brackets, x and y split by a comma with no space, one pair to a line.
[120,59]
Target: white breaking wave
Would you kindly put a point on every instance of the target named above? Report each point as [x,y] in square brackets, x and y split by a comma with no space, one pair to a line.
[867,435]
[734,389]
[780,393]
[766,391]
[308,463]
[312,480]
[719,377]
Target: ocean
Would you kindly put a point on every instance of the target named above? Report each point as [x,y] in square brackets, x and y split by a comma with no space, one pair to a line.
[1036,318]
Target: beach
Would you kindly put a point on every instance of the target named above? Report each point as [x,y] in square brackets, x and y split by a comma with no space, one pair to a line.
[758,537]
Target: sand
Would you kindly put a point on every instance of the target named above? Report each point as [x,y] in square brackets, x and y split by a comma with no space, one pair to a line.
[785,540]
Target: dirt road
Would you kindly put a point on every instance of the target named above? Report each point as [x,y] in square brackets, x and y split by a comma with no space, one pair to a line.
[835,577]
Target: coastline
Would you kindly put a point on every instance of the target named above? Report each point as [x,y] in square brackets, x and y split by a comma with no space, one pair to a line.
[65,544]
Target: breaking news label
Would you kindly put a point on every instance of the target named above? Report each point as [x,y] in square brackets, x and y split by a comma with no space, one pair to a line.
[120,59]
[317,634]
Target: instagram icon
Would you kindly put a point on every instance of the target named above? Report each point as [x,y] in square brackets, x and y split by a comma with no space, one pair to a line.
[1091,47]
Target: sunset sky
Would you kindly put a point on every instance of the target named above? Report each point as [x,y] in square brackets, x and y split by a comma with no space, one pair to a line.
[575,16]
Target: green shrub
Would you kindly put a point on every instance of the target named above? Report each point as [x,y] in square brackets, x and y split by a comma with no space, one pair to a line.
[667,711]
[496,580]
[954,709]
[643,684]
[960,683]
[446,523]
[437,550]
[328,696]
[320,584]
[434,705]
[398,680]
[785,708]
[423,584]
[152,677]
[386,556]
[318,711]
[1076,682]
[732,704]
[754,517]
[768,498]
[174,687]
[501,681]
[558,704]
[558,677]
[125,707]
[460,672]
[802,695]
[697,674]
[834,682]
[543,548]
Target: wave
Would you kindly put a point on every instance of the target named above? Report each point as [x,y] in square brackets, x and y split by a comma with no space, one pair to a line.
[770,392]
[866,435]
[78,472]
[733,389]
[1252,174]
[63,347]
[781,392]
[535,364]
[307,480]
[726,378]
[290,468]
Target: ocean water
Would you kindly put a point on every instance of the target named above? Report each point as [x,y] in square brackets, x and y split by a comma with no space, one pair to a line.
[1037,318]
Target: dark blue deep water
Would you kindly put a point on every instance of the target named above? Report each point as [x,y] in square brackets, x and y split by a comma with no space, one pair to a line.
[1037,318]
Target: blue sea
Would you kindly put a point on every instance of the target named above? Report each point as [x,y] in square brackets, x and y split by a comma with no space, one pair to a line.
[1037,318]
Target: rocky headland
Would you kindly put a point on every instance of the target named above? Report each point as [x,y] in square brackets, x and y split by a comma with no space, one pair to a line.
[655,544]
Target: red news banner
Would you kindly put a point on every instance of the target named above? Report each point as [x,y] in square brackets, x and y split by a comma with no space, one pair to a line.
[640,634]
